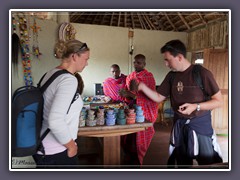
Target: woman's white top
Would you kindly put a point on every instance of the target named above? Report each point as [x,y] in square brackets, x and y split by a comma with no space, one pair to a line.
[57,99]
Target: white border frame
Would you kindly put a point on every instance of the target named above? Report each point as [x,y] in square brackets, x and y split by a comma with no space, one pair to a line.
[118,10]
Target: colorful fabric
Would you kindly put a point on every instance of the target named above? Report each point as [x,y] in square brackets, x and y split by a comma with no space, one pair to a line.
[112,86]
[150,110]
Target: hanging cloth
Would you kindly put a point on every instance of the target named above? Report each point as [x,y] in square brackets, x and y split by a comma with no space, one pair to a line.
[15,50]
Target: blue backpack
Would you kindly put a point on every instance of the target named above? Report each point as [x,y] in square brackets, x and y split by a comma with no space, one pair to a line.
[27,116]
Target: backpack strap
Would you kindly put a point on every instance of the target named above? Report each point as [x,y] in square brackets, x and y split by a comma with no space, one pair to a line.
[40,81]
[197,75]
[75,97]
[198,79]
[51,79]
[40,147]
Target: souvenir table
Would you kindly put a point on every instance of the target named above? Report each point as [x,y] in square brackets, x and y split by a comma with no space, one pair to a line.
[106,105]
[111,138]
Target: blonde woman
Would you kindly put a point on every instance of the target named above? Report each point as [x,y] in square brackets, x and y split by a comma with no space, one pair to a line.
[59,144]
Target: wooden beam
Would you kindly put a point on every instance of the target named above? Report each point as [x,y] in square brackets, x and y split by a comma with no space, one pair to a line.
[205,25]
[144,25]
[201,17]
[198,21]
[119,18]
[184,21]
[146,22]
[155,21]
[75,16]
[125,19]
[140,20]
[169,20]
[133,24]
[95,18]
[86,19]
[147,18]
[160,21]
[103,18]
[111,19]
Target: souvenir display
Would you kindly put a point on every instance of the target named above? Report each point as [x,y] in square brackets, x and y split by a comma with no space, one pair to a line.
[107,105]
[21,25]
[66,32]
[35,48]
[91,121]
[83,117]
[139,114]
[131,116]
[26,59]
[121,118]
[100,117]
[110,117]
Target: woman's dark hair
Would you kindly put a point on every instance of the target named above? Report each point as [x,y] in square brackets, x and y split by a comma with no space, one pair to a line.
[175,47]
[80,83]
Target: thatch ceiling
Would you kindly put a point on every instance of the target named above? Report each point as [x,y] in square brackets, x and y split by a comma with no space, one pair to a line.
[162,20]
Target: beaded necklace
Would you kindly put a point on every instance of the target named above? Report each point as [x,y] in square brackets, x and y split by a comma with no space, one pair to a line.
[14,22]
[26,60]
[35,48]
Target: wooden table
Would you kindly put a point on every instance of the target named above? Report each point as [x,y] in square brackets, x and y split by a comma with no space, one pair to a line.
[111,138]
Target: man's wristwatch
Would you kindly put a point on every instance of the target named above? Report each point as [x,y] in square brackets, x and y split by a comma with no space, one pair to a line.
[198,107]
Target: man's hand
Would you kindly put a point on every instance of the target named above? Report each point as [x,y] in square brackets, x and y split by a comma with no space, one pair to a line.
[134,85]
[123,93]
[187,108]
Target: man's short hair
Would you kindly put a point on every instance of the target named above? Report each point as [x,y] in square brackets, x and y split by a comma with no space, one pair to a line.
[140,56]
[115,66]
[175,47]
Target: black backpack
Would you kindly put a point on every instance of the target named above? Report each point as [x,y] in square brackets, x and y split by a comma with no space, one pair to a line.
[197,78]
[27,116]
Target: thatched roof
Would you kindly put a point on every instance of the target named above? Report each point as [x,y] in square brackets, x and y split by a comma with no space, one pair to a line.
[178,21]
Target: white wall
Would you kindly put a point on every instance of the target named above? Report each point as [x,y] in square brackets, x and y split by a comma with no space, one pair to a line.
[108,45]
[149,43]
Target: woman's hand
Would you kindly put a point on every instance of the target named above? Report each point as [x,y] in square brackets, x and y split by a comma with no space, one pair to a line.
[72,151]
[72,148]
